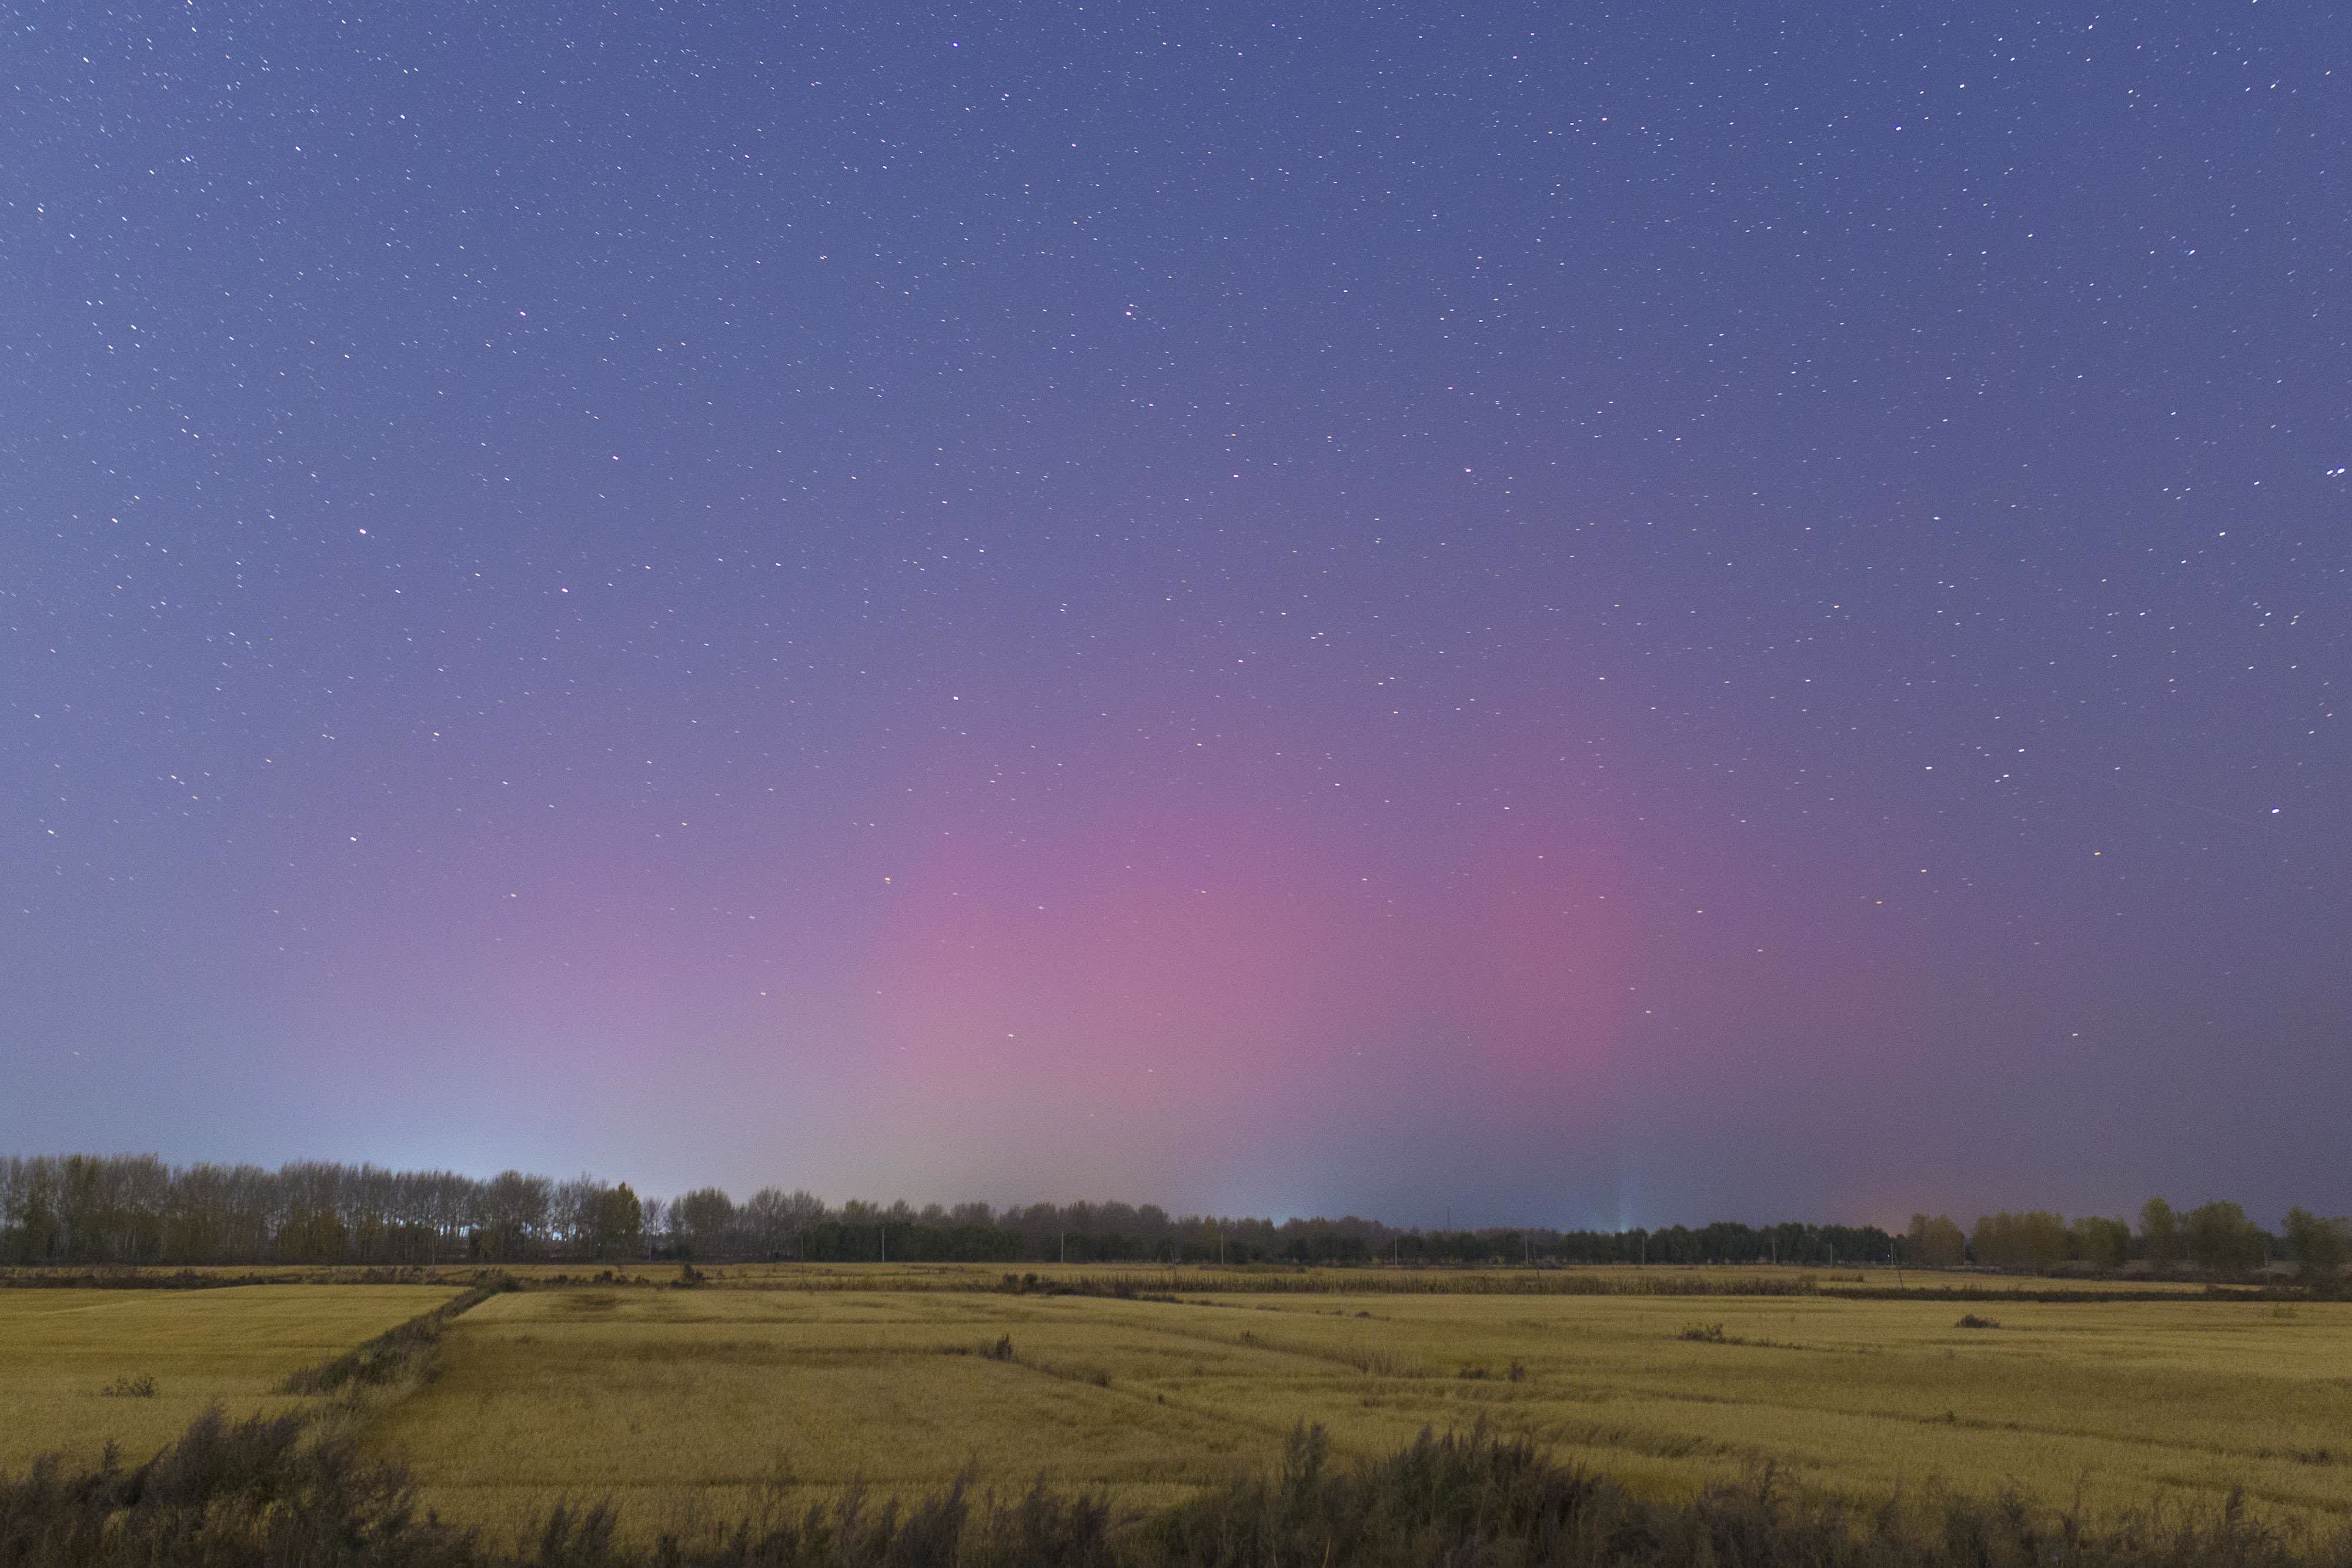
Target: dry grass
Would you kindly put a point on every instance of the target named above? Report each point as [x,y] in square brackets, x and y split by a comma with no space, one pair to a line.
[685,1403]
[783,1385]
[73,1364]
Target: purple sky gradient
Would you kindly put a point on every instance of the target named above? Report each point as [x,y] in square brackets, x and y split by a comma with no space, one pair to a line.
[1593,617]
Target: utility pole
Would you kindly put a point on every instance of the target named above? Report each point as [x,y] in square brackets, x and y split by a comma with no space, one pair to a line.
[886,1241]
[1065,1246]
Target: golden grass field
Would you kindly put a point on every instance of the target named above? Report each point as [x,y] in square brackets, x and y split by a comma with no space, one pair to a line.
[786,1385]
[59,1348]
[685,1403]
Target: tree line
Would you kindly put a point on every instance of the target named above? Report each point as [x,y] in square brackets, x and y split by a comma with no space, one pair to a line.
[2213,1237]
[87,1208]
[134,1209]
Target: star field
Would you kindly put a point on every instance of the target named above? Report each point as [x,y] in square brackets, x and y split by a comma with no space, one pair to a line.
[1597,615]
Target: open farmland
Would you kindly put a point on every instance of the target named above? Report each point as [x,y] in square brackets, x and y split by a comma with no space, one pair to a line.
[61,1349]
[685,1404]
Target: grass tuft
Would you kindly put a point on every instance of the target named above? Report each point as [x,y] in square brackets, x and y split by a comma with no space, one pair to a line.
[261,1492]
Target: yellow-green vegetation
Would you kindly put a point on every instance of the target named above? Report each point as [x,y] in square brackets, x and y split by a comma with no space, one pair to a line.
[79,1368]
[679,1404]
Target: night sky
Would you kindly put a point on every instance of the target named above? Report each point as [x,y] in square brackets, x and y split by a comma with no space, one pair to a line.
[1591,615]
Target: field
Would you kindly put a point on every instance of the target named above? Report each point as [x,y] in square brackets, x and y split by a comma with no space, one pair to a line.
[683,1403]
[785,1386]
[61,1349]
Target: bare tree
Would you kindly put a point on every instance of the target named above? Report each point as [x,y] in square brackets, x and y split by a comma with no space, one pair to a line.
[2319,1245]
[2159,1233]
[701,1220]
[1936,1242]
[766,1222]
